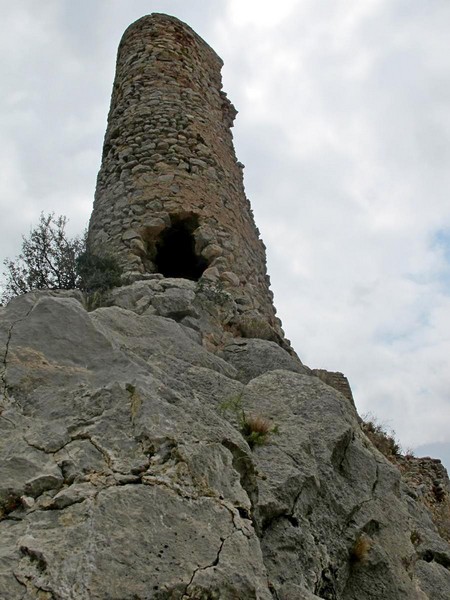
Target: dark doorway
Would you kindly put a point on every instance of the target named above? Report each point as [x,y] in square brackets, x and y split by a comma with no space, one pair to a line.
[175,251]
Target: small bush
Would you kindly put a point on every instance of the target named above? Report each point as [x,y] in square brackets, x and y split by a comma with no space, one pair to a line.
[97,273]
[255,327]
[213,294]
[409,453]
[255,429]
[47,261]
[51,260]
[383,439]
[416,538]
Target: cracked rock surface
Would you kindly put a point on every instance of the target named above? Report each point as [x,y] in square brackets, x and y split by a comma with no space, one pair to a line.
[125,474]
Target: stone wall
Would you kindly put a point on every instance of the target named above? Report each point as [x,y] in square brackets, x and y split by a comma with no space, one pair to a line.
[336,380]
[429,483]
[170,195]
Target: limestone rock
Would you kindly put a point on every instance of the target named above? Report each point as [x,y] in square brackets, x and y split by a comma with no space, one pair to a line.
[253,357]
[126,474]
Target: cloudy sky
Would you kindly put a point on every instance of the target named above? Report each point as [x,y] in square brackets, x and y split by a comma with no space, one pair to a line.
[344,128]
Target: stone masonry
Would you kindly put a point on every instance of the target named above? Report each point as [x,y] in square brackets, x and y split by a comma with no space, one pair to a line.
[170,198]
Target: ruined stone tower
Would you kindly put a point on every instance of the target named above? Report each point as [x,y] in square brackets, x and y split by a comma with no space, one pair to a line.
[170,197]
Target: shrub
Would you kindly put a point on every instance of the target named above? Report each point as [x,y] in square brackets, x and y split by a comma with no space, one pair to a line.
[416,538]
[409,453]
[51,260]
[213,293]
[255,429]
[97,273]
[47,261]
[383,439]
[256,327]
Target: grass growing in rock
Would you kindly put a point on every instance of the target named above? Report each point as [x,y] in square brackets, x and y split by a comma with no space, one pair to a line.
[255,429]
[213,293]
[381,437]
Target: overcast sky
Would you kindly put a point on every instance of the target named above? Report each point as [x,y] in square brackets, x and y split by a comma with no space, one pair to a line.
[344,128]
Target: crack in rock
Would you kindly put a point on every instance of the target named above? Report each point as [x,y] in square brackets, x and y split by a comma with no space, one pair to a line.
[376,480]
[359,506]
[108,459]
[353,512]
[273,591]
[5,358]
[21,583]
[215,562]
[4,385]
[30,584]
[340,450]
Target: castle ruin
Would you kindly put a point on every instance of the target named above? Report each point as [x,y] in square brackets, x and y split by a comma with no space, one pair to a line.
[145,454]
[170,198]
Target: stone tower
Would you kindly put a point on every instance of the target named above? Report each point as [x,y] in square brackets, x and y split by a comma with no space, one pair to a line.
[170,197]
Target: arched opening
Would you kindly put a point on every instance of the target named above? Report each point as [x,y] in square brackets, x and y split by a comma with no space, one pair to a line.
[175,250]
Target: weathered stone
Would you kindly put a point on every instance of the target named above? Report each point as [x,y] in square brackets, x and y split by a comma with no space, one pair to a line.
[255,357]
[138,246]
[212,274]
[230,277]
[154,479]
[130,235]
[171,134]
[212,251]
[175,303]
[152,227]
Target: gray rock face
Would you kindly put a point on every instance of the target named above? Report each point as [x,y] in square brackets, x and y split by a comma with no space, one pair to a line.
[126,472]
[254,357]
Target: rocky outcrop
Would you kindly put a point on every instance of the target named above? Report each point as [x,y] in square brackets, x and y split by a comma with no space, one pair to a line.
[127,473]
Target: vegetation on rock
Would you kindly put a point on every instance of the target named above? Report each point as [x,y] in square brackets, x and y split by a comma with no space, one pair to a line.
[97,273]
[383,439]
[255,429]
[52,260]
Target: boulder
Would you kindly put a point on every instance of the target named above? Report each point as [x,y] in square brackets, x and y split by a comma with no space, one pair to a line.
[253,357]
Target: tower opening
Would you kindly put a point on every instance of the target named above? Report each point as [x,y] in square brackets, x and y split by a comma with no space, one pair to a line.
[175,251]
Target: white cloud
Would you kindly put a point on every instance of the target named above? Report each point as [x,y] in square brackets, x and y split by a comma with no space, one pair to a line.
[345,130]
[259,13]
[350,133]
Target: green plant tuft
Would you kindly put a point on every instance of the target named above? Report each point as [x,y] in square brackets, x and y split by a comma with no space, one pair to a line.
[97,273]
[255,429]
